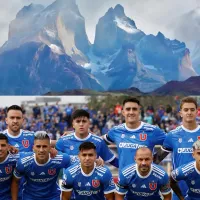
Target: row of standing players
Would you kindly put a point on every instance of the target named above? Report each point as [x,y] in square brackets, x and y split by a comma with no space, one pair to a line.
[134,139]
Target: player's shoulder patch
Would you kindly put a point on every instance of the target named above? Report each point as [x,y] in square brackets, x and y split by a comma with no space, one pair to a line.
[27,133]
[149,127]
[74,169]
[188,168]
[26,158]
[176,130]
[97,138]
[68,136]
[118,127]
[129,170]
[158,171]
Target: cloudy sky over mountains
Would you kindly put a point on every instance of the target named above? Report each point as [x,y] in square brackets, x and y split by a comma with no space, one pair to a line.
[150,16]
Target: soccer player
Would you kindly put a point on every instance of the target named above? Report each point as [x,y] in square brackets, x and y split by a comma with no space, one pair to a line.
[143,180]
[21,139]
[70,143]
[133,134]
[40,171]
[86,179]
[190,173]
[180,140]
[7,165]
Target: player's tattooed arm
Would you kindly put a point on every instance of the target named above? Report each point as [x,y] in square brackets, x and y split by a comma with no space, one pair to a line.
[175,188]
[160,155]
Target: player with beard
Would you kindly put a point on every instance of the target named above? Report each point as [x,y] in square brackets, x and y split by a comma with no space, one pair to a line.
[143,180]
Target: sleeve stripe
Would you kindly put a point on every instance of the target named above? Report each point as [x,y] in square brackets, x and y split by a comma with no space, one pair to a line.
[107,161]
[122,193]
[165,193]
[106,139]
[165,149]
[66,190]
[110,191]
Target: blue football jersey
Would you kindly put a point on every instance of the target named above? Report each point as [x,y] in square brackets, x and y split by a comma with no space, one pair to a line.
[41,180]
[191,175]
[91,186]
[70,144]
[129,140]
[6,171]
[24,141]
[179,141]
[135,186]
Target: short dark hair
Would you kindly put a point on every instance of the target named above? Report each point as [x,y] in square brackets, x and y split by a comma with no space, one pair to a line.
[3,137]
[80,113]
[188,100]
[14,107]
[41,135]
[87,146]
[131,99]
[143,148]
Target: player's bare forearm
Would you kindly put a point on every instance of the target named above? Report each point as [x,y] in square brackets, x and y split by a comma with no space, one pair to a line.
[66,195]
[14,188]
[159,156]
[119,196]
[167,196]
[176,189]
[110,196]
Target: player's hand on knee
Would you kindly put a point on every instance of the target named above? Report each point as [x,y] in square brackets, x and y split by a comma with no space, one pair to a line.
[99,162]
[13,149]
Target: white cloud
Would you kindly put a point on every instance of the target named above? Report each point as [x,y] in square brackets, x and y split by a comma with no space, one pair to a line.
[150,16]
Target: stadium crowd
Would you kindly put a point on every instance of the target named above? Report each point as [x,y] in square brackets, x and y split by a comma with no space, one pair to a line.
[56,119]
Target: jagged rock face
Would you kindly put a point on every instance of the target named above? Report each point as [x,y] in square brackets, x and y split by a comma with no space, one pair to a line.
[114,30]
[60,24]
[35,69]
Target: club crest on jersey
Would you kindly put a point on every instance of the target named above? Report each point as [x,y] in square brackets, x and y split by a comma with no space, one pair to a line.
[8,169]
[180,140]
[71,147]
[51,172]
[152,186]
[25,143]
[198,137]
[143,136]
[95,183]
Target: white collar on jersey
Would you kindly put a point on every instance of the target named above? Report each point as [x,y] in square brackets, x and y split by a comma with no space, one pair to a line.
[138,173]
[195,166]
[191,131]
[16,136]
[87,175]
[39,163]
[89,134]
[140,126]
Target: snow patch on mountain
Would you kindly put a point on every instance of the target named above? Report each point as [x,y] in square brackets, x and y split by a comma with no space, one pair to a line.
[123,24]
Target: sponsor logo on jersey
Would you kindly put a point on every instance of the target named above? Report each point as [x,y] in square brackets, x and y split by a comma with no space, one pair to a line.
[8,169]
[71,147]
[152,186]
[25,143]
[143,136]
[185,150]
[87,184]
[51,172]
[190,140]
[95,183]
[143,186]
